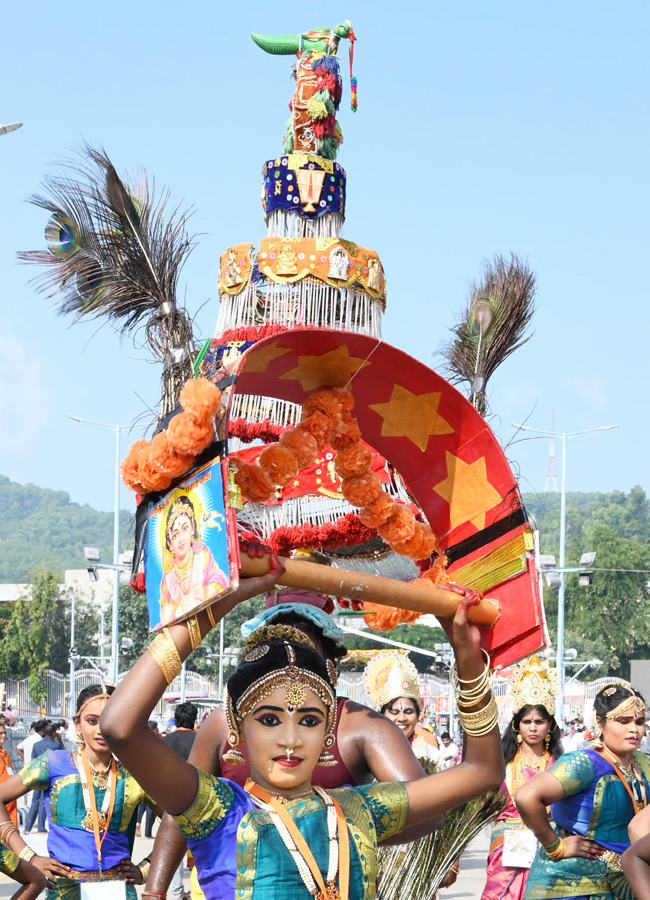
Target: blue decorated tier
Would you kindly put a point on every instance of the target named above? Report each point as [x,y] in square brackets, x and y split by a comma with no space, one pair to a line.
[310,186]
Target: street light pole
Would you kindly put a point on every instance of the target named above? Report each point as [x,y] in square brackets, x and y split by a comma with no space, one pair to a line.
[72,650]
[564,437]
[116,542]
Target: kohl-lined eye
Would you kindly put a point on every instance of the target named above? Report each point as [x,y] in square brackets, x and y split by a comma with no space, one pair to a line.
[268,720]
[310,721]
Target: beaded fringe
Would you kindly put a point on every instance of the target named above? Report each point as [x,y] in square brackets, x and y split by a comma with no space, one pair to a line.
[305,303]
[283,223]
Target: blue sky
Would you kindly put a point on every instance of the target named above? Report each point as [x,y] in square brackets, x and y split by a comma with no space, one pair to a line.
[481,128]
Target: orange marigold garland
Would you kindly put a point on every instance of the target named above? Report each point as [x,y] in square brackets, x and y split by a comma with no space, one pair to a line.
[302,444]
[354,460]
[153,466]
[279,463]
[359,490]
[327,419]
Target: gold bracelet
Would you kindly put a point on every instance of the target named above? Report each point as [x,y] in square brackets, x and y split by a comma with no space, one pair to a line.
[27,853]
[165,652]
[479,683]
[144,867]
[454,670]
[558,852]
[465,702]
[194,632]
[6,830]
[481,722]
[211,618]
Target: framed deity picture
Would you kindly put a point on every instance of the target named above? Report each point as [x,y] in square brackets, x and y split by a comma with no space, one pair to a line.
[191,550]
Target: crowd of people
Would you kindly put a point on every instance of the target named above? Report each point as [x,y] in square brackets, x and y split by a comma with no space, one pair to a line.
[288,789]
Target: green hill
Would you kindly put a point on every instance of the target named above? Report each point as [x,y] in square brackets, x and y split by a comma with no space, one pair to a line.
[43,529]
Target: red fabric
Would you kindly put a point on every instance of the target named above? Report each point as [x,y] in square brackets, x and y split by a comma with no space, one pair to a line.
[450,459]
[319,478]
[329,777]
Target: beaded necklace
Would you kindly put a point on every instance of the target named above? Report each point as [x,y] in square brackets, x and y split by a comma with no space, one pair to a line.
[633,774]
[96,820]
[339,844]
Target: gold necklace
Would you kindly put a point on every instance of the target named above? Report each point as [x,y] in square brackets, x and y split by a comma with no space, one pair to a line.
[184,573]
[99,776]
[284,798]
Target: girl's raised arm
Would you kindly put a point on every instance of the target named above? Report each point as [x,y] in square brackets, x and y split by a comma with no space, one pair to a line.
[482,766]
[162,773]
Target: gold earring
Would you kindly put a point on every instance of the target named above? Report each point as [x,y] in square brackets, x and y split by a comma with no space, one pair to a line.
[234,755]
[518,738]
[327,759]
[547,739]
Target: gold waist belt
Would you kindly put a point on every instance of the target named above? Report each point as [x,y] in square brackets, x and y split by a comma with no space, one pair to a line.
[95,875]
[612,859]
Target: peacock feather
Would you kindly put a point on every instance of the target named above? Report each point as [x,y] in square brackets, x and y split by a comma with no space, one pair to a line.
[115,251]
[493,325]
[415,871]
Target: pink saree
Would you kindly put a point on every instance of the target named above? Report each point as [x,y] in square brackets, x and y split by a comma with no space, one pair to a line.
[505,882]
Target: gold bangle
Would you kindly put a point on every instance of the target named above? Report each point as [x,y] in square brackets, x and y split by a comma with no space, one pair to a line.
[144,867]
[6,831]
[454,869]
[211,618]
[454,670]
[194,632]
[481,722]
[558,852]
[27,853]
[165,652]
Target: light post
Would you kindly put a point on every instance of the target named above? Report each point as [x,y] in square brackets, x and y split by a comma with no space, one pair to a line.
[73,652]
[116,539]
[564,437]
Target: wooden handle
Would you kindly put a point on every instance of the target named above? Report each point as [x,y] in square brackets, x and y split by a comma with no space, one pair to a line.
[419,595]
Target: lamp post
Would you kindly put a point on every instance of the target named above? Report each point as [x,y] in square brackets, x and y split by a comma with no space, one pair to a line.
[564,437]
[73,652]
[116,540]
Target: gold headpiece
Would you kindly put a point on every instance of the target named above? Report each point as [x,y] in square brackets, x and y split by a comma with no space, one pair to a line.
[296,680]
[278,632]
[534,683]
[629,705]
[391,675]
[179,509]
[103,696]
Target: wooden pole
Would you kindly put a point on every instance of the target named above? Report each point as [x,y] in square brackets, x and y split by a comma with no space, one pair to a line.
[420,595]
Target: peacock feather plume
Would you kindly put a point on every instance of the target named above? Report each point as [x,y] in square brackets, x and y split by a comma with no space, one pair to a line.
[415,871]
[115,251]
[493,325]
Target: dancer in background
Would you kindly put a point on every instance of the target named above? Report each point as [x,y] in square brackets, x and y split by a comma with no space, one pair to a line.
[89,800]
[391,681]
[295,839]
[594,795]
[531,743]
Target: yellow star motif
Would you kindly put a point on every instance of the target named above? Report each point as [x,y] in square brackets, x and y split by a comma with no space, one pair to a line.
[467,491]
[260,360]
[413,416]
[331,369]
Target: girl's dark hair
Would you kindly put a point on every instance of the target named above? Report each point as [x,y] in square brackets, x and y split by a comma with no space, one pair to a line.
[189,512]
[390,703]
[610,696]
[93,690]
[331,650]
[272,659]
[509,739]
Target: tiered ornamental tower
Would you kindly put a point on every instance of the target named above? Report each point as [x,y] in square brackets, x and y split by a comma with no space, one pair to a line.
[303,273]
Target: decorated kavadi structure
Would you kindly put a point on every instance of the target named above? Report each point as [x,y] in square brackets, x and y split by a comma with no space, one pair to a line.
[325,442]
